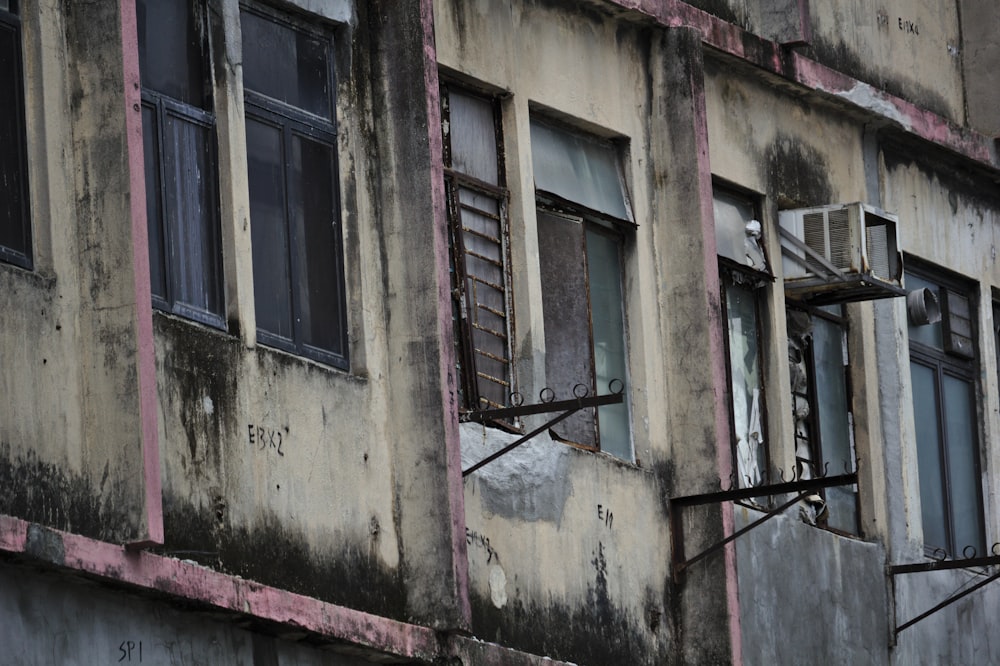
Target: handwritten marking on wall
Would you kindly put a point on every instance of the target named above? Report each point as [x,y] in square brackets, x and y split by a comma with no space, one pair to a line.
[482,541]
[130,651]
[266,438]
[605,516]
[909,27]
[904,25]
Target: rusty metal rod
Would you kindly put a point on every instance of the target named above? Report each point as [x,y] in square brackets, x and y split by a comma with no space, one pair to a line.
[544,407]
[514,445]
[681,566]
[944,565]
[765,491]
[947,602]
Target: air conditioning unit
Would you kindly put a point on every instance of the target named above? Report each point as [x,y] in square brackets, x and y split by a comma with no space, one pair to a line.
[840,253]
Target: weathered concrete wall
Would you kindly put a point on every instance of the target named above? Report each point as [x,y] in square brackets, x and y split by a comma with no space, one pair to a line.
[71,437]
[299,475]
[807,595]
[913,49]
[980,54]
[560,537]
[50,619]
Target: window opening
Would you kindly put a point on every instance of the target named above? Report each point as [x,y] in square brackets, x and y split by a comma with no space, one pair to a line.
[179,145]
[15,217]
[821,409]
[299,290]
[743,272]
[582,216]
[478,239]
[942,375]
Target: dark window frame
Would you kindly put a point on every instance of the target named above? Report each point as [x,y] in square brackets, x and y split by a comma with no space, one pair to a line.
[944,364]
[819,463]
[754,283]
[19,253]
[473,380]
[618,231]
[293,121]
[162,237]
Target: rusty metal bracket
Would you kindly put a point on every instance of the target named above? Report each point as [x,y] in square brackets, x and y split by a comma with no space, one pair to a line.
[945,564]
[547,405]
[802,487]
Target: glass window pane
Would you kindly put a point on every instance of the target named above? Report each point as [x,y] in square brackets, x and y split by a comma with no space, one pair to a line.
[578,169]
[192,214]
[833,410]
[744,363]
[316,249]
[171,57]
[926,419]
[607,315]
[731,216]
[14,226]
[473,137]
[831,396]
[269,234]
[963,474]
[567,322]
[286,64]
[154,202]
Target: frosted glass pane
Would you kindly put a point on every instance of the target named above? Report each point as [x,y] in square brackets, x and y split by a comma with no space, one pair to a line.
[473,137]
[731,216]
[577,169]
[607,317]
[744,363]
[926,418]
[962,468]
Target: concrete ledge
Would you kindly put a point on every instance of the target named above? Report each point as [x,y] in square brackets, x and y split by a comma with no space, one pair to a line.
[862,97]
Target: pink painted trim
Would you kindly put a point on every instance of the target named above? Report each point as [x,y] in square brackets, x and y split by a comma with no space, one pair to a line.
[717,353]
[770,56]
[448,378]
[145,352]
[196,583]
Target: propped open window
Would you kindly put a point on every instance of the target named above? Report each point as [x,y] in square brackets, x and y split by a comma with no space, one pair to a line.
[478,235]
[583,220]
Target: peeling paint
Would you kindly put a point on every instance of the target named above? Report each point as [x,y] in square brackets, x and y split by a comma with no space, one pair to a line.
[529,483]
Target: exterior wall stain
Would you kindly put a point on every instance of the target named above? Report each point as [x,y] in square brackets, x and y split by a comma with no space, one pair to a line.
[841,58]
[797,174]
[48,494]
[958,180]
[272,554]
[596,632]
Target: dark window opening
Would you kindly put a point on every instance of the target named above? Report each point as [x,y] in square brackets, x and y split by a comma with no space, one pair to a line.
[821,410]
[741,301]
[743,275]
[298,267]
[15,217]
[478,238]
[583,220]
[583,311]
[179,144]
[943,371]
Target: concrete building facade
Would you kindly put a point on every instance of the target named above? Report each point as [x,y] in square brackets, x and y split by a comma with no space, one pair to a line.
[278,278]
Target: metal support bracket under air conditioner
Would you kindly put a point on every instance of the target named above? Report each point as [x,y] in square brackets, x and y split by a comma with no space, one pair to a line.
[802,489]
[944,564]
[547,405]
[811,253]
